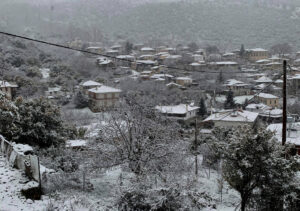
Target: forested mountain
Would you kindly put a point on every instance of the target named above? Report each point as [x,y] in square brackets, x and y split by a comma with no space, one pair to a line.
[225,23]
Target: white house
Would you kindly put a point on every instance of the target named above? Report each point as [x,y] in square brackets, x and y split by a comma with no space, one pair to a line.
[232,118]
[293,133]
[89,85]
[180,112]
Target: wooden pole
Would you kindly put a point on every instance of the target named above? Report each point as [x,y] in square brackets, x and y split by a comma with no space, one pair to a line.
[284,109]
[196,148]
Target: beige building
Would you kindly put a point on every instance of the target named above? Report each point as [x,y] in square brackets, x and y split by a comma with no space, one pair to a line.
[184,81]
[238,87]
[8,89]
[268,99]
[257,54]
[103,98]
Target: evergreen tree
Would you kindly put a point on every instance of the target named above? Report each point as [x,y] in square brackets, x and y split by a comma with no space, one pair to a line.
[202,108]
[128,48]
[256,161]
[8,117]
[80,100]
[221,77]
[242,50]
[229,103]
[40,123]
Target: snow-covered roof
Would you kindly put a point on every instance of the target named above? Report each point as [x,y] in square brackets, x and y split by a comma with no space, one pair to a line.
[259,106]
[76,143]
[258,50]
[112,51]
[184,78]
[266,95]
[195,64]
[177,109]
[93,47]
[297,76]
[273,63]
[293,136]
[105,62]
[272,113]
[174,57]
[104,89]
[234,82]
[233,116]
[226,63]
[125,57]
[91,83]
[7,84]
[147,49]
[263,79]
[229,54]
[146,55]
[173,84]
[54,89]
[263,61]
[161,76]
[149,62]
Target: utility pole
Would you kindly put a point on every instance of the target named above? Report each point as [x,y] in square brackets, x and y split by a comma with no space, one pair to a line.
[196,148]
[284,109]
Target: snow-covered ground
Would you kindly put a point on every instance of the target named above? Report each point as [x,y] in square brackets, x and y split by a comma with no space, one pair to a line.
[11,183]
[45,72]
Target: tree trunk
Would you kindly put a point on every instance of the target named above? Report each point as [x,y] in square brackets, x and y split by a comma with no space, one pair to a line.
[243,203]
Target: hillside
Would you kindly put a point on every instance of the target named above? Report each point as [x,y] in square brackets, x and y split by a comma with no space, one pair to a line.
[224,23]
[228,25]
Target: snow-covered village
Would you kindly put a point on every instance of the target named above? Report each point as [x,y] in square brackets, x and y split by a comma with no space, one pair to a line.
[149,105]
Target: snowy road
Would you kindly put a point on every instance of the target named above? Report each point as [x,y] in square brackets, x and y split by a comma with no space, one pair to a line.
[11,182]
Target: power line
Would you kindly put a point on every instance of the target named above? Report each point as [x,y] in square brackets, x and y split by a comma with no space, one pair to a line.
[104,55]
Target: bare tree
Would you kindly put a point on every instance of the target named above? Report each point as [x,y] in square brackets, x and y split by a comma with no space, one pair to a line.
[281,49]
[142,138]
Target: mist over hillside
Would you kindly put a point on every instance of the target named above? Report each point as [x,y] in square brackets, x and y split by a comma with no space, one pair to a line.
[225,23]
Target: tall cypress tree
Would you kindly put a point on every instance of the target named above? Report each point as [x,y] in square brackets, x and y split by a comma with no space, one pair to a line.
[242,51]
[202,109]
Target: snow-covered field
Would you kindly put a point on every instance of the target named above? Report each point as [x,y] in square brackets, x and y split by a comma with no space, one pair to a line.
[106,191]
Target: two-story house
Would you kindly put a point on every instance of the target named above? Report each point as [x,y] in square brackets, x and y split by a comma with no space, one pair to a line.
[257,54]
[103,97]
[238,87]
[268,99]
